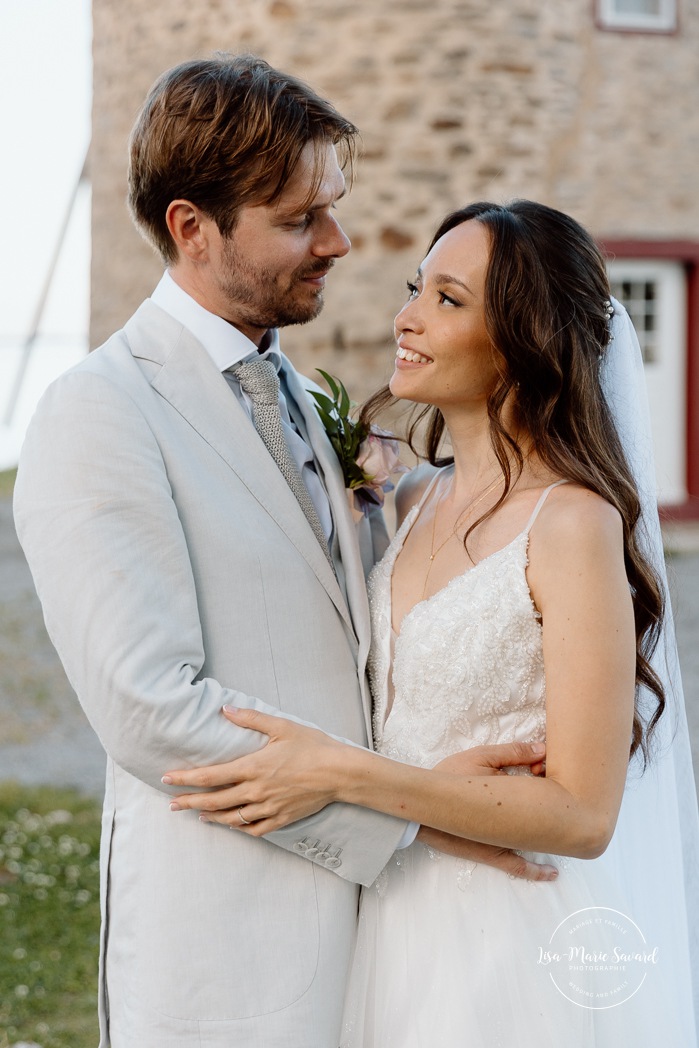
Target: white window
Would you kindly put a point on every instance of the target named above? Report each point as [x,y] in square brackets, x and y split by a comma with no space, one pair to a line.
[640,293]
[649,15]
[654,293]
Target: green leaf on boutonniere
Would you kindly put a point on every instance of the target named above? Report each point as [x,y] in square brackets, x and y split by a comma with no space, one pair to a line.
[342,402]
[354,441]
[325,408]
[334,388]
[325,402]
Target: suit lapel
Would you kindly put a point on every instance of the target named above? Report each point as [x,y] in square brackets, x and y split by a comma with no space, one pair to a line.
[335,486]
[189,380]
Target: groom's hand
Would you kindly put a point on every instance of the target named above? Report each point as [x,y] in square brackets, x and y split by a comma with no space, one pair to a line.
[509,862]
[491,760]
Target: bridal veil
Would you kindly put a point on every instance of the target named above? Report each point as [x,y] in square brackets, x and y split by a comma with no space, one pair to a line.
[655,849]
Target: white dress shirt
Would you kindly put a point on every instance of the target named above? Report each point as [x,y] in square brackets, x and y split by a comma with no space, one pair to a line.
[227,346]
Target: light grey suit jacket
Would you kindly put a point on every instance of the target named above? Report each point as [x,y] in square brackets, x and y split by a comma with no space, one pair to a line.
[177,572]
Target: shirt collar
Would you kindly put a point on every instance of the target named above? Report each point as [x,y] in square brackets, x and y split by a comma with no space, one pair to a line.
[224,343]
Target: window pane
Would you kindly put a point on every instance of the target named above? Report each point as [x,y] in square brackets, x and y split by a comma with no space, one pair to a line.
[641,300]
[647,15]
[638,7]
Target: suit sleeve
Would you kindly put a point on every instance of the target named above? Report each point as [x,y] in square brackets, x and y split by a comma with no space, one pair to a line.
[98,524]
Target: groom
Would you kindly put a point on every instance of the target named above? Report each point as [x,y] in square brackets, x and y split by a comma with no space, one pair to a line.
[185,520]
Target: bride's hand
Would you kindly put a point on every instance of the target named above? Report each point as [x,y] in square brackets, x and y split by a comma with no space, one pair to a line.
[285,781]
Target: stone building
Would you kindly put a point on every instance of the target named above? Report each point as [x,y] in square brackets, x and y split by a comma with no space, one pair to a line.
[591,106]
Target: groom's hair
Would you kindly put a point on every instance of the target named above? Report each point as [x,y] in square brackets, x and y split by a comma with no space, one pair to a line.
[223,132]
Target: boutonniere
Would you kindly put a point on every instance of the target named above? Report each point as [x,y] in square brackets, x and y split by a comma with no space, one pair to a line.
[368,455]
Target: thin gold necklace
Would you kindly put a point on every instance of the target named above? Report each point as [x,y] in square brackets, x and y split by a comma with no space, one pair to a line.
[469,506]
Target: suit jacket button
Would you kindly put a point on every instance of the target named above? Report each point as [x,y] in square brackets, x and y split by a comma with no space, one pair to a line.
[301,847]
[333,862]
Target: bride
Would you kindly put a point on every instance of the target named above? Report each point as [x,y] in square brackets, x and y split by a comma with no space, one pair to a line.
[520,600]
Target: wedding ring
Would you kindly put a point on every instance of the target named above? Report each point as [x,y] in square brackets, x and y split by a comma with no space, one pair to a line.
[242,817]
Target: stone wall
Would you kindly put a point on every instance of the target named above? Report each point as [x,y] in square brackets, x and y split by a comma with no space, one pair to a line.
[456,101]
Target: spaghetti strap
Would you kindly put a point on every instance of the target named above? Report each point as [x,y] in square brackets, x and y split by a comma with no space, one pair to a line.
[432,483]
[542,499]
[414,511]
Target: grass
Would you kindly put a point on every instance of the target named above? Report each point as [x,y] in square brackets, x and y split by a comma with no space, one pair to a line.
[7,484]
[33,686]
[49,917]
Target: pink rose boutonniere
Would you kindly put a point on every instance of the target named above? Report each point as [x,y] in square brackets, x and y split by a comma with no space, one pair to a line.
[368,455]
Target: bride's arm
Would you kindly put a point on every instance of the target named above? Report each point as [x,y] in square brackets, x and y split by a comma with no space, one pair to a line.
[578,582]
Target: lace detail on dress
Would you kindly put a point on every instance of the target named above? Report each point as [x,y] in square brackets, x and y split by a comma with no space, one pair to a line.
[468,666]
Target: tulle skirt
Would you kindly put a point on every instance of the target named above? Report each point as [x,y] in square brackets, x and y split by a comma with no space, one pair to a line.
[451,954]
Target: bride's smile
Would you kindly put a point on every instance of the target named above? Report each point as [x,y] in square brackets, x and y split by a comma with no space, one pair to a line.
[444,354]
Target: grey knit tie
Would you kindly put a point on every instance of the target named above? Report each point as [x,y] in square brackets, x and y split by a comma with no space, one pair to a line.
[259,379]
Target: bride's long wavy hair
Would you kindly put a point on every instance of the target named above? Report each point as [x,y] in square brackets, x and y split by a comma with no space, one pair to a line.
[546,293]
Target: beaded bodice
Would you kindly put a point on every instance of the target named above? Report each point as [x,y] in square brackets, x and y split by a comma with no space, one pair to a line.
[467,666]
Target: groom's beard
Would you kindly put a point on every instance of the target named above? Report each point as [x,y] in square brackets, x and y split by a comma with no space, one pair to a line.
[263,298]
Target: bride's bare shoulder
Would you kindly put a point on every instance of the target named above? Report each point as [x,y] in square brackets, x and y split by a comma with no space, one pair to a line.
[410,489]
[576,523]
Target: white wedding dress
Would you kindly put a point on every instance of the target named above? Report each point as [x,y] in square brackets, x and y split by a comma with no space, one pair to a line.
[451,954]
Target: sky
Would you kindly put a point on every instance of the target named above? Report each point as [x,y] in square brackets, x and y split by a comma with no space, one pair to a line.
[45,89]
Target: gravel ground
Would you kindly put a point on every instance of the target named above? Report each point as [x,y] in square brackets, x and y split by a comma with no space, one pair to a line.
[45,738]
[44,735]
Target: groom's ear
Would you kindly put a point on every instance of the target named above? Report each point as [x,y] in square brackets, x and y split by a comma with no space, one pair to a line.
[190,229]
